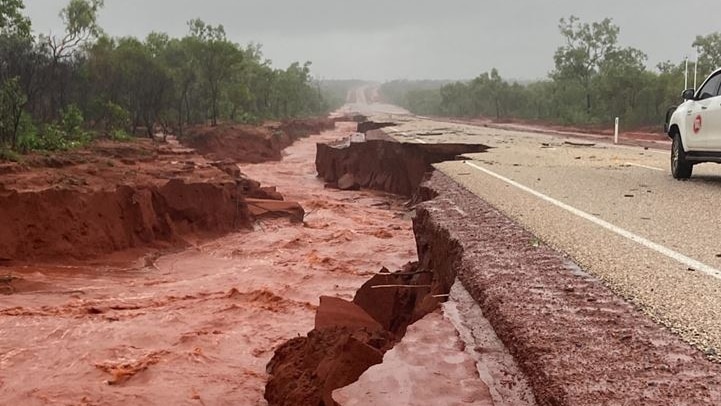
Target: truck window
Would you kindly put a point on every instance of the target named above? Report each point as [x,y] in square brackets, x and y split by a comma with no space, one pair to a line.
[711,88]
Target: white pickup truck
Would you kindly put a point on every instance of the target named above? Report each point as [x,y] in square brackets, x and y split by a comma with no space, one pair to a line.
[695,127]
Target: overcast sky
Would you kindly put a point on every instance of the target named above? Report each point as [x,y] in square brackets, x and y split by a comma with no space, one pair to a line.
[413,39]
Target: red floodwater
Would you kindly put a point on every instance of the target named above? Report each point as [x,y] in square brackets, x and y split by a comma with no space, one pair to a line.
[198,326]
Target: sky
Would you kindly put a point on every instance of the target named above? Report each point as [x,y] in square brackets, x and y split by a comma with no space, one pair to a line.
[409,39]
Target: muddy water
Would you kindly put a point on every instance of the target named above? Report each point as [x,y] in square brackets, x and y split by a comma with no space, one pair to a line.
[196,327]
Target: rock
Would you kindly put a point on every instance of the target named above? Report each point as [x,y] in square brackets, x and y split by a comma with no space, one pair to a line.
[335,312]
[348,182]
[263,208]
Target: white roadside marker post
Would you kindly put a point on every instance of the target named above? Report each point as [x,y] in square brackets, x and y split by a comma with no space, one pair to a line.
[615,133]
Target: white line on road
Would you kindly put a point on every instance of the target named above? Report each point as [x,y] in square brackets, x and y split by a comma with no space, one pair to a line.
[653,168]
[677,256]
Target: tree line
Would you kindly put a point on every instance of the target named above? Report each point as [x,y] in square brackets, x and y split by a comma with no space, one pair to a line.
[594,80]
[60,91]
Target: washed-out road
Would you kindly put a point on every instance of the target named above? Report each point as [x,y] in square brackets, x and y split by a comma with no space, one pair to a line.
[614,210]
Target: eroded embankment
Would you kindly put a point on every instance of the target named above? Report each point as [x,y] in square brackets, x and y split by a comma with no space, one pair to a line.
[577,342]
[66,223]
[252,144]
[377,161]
[115,196]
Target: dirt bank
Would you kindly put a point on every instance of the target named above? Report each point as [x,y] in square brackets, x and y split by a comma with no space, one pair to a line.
[116,196]
[577,342]
[377,161]
[252,144]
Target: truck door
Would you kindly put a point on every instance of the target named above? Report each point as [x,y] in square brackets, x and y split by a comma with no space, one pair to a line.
[704,123]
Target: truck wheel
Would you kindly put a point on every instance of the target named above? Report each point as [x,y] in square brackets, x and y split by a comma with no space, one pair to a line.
[680,167]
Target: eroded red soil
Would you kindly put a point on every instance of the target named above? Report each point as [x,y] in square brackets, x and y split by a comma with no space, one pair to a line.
[252,144]
[118,196]
[198,326]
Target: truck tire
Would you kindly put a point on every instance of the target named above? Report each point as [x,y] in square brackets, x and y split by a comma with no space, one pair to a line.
[680,167]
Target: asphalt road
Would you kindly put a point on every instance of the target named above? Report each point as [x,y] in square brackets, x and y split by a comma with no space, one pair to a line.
[615,211]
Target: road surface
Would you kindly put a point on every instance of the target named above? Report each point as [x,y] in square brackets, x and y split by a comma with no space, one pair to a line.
[615,211]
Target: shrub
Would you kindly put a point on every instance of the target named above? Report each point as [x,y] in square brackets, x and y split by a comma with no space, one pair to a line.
[117,119]
[7,154]
[64,135]
[27,134]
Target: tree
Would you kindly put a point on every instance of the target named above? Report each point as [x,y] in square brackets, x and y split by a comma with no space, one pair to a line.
[133,76]
[620,81]
[11,19]
[217,58]
[709,53]
[93,81]
[81,26]
[489,94]
[12,102]
[587,46]
[178,57]
[15,41]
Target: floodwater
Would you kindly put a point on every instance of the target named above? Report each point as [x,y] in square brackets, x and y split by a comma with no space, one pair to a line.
[197,326]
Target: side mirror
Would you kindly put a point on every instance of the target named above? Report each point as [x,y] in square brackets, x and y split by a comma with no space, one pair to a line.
[688,94]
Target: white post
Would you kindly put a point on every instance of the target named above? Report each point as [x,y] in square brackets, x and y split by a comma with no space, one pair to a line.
[695,70]
[615,133]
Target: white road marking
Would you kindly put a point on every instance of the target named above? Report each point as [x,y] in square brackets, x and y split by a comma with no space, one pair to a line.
[421,141]
[677,256]
[653,168]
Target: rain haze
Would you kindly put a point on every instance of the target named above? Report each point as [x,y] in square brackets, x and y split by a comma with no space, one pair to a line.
[382,40]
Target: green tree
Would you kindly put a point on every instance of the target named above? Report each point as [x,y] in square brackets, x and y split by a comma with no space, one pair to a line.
[586,48]
[12,21]
[136,78]
[12,102]
[709,53]
[489,93]
[81,26]
[217,58]
[620,82]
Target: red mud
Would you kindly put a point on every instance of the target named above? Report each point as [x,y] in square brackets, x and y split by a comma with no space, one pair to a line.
[577,342]
[198,326]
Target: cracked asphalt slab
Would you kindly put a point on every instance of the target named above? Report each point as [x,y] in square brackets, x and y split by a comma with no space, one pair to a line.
[650,238]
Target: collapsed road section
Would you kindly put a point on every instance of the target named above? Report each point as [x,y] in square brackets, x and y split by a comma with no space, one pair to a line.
[376,161]
[574,340]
